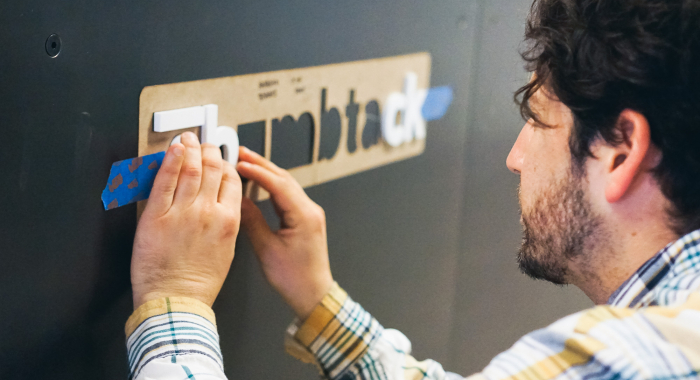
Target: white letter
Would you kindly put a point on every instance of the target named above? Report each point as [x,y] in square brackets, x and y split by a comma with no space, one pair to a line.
[393,132]
[398,130]
[206,117]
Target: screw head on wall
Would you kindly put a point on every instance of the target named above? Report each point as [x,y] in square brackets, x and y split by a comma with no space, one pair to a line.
[53,45]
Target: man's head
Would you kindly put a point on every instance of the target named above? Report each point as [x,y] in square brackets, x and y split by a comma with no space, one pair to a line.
[613,131]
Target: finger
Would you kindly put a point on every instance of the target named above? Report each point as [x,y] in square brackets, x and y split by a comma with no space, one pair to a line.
[212,172]
[191,172]
[164,186]
[247,155]
[231,191]
[282,191]
[255,226]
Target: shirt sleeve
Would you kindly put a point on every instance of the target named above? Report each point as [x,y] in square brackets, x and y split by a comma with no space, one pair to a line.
[345,342]
[173,338]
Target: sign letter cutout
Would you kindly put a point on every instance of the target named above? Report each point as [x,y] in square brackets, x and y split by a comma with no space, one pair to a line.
[206,117]
[402,120]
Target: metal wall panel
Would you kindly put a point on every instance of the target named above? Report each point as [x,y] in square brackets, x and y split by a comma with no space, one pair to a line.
[426,244]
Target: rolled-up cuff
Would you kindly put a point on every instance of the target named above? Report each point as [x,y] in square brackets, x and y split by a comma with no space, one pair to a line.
[170,327]
[335,336]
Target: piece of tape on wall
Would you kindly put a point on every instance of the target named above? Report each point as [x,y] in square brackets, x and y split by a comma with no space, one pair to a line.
[437,101]
[131,180]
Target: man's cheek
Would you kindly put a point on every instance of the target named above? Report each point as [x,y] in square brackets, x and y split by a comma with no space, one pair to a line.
[529,191]
[525,187]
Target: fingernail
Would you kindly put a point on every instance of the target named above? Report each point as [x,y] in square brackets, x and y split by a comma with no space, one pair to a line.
[191,136]
[178,151]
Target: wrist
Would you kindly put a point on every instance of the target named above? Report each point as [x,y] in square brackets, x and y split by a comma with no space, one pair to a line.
[142,297]
[307,302]
[167,305]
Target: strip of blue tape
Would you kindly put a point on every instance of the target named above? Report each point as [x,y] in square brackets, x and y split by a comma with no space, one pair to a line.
[131,180]
[437,101]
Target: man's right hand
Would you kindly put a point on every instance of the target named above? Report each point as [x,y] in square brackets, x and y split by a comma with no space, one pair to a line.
[295,257]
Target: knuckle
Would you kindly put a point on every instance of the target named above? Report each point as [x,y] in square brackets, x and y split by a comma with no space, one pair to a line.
[289,181]
[165,188]
[191,171]
[227,234]
[206,219]
[288,176]
[230,223]
[211,165]
[315,214]
[212,162]
[169,170]
[320,214]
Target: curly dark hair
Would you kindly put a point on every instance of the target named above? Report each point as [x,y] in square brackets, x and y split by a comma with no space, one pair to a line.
[600,57]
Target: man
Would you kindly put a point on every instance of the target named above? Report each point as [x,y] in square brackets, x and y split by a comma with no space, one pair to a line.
[610,175]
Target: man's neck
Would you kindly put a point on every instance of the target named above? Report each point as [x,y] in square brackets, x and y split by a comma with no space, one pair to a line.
[632,230]
[615,261]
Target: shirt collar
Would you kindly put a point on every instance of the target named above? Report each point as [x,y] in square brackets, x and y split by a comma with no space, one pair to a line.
[666,263]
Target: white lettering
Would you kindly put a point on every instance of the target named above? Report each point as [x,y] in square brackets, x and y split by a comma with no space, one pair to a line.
[206,117]
[402,120]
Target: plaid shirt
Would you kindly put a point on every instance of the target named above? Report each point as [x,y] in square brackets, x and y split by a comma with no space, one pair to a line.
[650,329]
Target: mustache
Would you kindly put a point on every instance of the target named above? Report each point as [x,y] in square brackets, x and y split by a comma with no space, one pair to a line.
[518,191]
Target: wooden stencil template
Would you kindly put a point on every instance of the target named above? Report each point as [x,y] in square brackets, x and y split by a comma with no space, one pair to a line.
[320,123]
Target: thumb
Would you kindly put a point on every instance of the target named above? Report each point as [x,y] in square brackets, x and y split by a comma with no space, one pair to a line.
[255,226]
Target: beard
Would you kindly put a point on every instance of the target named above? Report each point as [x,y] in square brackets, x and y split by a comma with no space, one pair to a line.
[558,229]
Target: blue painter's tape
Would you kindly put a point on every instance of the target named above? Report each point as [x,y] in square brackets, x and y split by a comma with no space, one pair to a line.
[131,180]
[437,102]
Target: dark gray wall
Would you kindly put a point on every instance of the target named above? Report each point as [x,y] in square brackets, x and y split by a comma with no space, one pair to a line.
[427,245]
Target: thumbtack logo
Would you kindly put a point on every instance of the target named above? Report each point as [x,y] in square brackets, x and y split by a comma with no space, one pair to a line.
[320,123]
[401,122]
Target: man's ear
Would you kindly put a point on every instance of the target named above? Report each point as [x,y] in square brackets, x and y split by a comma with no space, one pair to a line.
[625,160]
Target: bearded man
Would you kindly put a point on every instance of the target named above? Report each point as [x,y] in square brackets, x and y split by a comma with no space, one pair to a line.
[609,170]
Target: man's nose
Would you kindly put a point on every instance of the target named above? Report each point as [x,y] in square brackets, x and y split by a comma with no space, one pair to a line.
[516,157]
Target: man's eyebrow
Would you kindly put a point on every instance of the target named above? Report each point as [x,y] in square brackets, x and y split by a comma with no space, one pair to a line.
[536,107]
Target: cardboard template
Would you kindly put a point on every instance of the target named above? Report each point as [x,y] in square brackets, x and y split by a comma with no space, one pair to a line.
[265,99]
